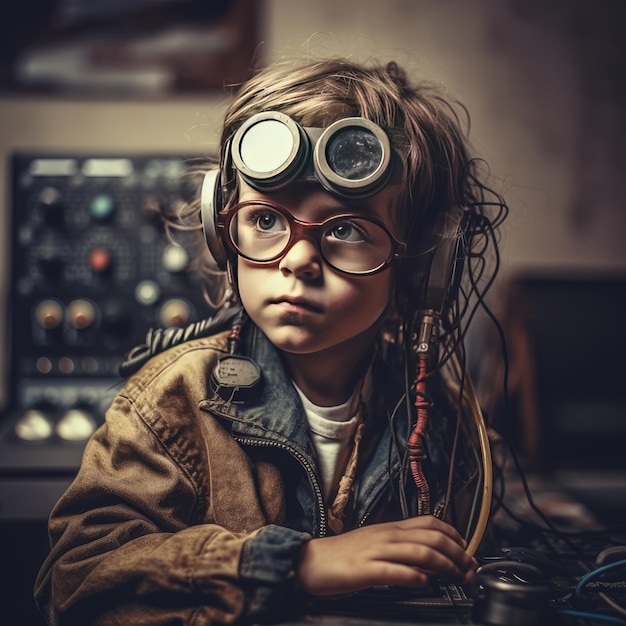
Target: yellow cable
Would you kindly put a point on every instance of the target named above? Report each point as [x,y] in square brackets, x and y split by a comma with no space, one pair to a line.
[471,401]
[485,450]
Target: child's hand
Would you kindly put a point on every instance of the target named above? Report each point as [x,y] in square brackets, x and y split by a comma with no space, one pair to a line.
[405,553]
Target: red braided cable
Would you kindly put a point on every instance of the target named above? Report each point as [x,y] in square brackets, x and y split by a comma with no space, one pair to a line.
[415,445]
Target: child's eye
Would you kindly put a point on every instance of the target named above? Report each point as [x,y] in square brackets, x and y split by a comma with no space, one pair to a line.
[265,221]
[349,232]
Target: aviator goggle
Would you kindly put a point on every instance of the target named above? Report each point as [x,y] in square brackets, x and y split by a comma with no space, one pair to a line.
[351,158]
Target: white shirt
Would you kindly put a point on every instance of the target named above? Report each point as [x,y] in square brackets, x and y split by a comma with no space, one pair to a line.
[332,431]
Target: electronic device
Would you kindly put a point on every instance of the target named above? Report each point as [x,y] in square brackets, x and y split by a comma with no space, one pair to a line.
[92,269]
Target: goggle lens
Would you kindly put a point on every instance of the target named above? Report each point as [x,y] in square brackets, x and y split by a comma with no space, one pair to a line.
[354,153]
[254,146]
[351,157]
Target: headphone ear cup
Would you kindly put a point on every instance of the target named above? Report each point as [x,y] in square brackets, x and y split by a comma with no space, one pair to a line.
[210,206]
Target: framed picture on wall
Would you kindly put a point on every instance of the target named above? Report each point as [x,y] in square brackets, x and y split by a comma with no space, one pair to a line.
[127,47]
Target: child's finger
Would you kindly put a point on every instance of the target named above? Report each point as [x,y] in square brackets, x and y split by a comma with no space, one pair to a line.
[442,557]
[429,522]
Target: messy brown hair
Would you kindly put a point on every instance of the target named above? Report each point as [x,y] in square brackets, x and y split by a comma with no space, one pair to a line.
[442,183]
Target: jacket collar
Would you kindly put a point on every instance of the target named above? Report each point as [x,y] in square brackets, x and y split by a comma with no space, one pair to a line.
[276,414]
[277,417]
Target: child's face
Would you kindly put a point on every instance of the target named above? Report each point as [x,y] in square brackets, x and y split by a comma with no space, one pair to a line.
[301,303]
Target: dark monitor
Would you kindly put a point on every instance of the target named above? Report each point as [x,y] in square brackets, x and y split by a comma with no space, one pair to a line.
[577,335]
[566,343]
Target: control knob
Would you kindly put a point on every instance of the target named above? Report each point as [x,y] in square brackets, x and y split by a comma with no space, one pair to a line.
[175,312]
[48,314]
[116,318]
[81,314]
[50,262]
[50,202]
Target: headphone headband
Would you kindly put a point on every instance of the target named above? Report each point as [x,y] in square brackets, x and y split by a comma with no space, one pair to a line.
[210,205]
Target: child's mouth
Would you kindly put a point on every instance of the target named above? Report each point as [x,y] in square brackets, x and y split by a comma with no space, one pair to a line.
[297,304]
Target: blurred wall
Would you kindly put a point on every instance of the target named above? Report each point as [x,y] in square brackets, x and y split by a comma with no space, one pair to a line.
[543,81]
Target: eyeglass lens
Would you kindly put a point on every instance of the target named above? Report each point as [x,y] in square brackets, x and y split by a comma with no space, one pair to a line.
[350,243]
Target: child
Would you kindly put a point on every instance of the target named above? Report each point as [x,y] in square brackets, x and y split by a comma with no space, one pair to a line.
[314,438]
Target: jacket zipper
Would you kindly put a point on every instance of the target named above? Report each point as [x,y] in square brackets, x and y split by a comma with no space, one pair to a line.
[373,504]
[248,441]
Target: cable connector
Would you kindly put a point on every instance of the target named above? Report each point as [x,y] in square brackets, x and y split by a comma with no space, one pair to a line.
[425,337]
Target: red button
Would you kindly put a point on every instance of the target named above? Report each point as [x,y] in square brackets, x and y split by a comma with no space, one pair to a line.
[99,260]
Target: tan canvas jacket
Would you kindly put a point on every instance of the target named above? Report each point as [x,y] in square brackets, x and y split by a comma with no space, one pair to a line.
[191,510]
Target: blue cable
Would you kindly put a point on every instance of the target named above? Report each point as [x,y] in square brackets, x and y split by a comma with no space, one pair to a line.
[587,578]
[593,616]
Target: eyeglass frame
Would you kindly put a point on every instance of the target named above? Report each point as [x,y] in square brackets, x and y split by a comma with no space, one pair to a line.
[298,228]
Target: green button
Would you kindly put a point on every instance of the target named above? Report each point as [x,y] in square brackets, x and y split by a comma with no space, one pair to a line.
[101,206]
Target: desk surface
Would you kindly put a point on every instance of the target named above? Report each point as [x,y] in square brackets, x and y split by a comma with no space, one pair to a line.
[446,605]
[584,538]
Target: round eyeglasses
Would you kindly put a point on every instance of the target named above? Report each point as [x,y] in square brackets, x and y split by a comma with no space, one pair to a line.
[263,232]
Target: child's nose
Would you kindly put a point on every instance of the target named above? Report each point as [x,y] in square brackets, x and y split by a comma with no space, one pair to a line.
[302,259]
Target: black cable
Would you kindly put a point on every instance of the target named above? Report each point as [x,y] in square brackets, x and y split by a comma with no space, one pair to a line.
[161,339]
[514,456]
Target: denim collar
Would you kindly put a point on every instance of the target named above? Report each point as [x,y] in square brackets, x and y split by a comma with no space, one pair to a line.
[277,417]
